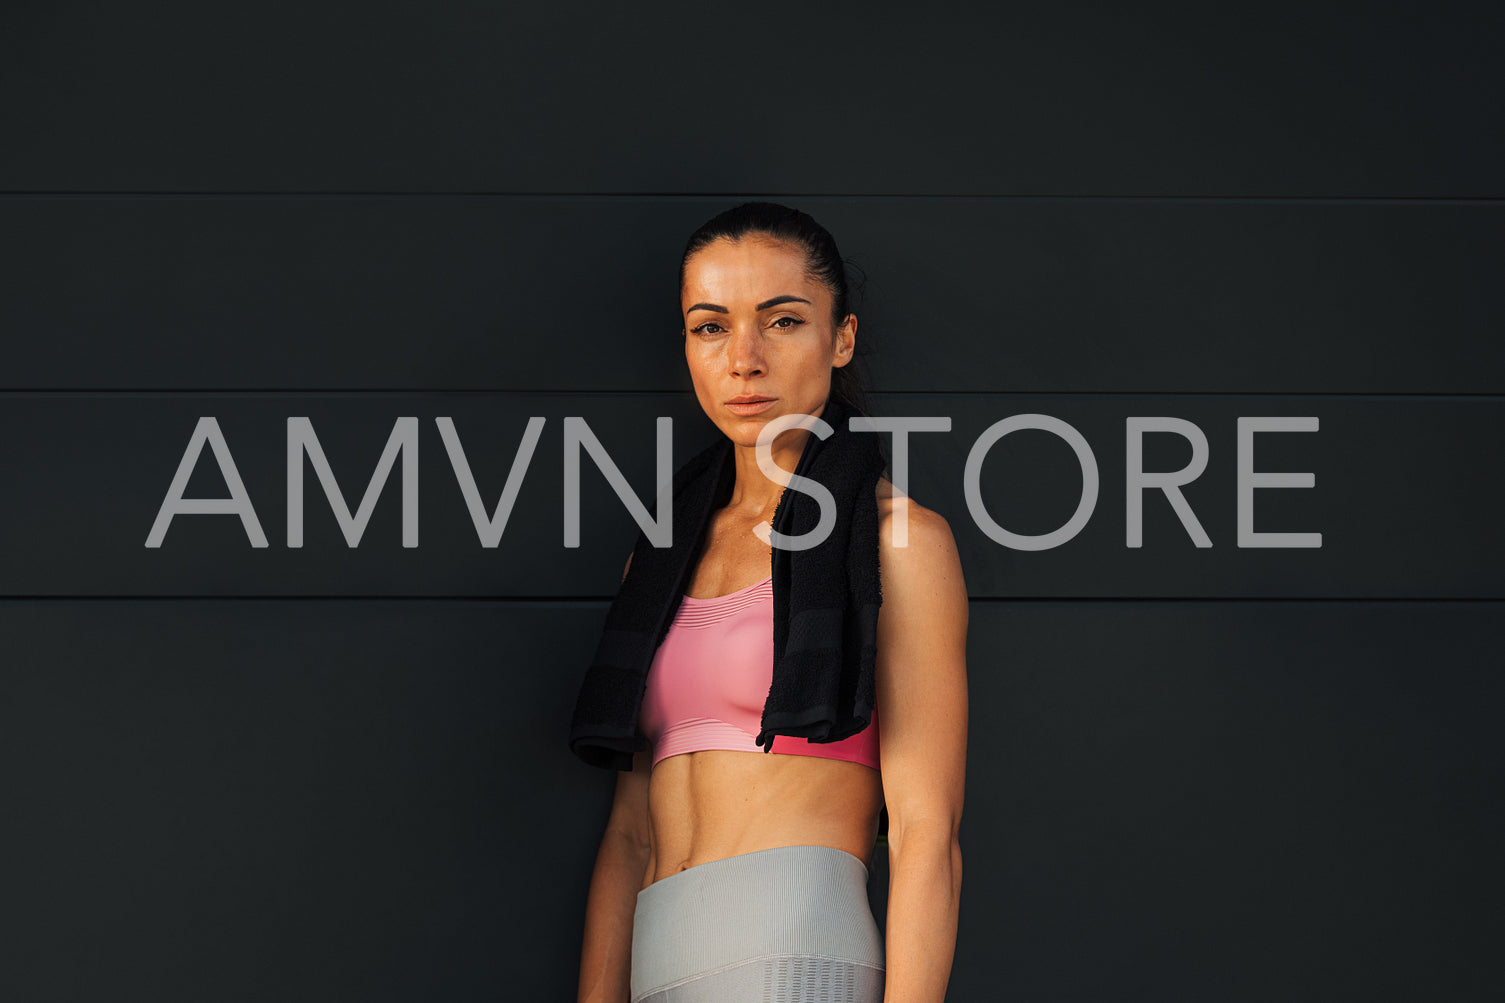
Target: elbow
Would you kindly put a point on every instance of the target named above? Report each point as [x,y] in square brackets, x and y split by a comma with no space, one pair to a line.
[635,842]
[928,847]
[928,832]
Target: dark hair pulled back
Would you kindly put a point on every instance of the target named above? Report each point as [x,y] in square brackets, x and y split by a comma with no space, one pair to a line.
[823,262]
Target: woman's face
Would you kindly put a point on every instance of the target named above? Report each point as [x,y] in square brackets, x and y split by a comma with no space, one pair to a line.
[759,339]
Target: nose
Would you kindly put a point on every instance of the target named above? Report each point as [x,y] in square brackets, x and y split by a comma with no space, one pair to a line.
[745,353]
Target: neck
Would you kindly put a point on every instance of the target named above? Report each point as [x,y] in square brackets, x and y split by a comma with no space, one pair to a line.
[752,491]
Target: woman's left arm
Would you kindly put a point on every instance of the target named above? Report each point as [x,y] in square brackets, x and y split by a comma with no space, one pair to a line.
[922,701]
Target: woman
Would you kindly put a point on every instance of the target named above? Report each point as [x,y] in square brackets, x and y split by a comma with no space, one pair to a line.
[727,873]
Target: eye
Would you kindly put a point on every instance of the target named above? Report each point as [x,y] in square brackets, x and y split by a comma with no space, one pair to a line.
[793,322]
[702,329]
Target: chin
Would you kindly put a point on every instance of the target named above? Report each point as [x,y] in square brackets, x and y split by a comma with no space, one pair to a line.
[743,431]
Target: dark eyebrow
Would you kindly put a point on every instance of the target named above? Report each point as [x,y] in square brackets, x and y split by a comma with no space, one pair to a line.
[761,306]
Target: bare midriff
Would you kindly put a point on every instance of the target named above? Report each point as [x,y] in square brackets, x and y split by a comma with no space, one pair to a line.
[716,803]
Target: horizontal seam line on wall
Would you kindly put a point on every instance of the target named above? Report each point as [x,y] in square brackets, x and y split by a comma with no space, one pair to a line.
[608,598]
[1479,200]
[433,391]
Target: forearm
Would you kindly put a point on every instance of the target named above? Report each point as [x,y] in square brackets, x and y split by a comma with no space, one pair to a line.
[606,956]
[924,897]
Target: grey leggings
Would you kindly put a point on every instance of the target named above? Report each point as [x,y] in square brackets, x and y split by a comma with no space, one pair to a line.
[791,925]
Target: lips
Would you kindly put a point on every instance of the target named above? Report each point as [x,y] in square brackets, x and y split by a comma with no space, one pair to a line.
[750,404]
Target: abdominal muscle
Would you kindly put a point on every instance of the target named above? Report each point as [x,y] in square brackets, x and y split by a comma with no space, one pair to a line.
[713,804]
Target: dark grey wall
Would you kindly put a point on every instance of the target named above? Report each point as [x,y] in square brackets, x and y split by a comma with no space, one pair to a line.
[340,773]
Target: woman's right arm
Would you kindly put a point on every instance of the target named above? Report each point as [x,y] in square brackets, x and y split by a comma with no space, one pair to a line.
[621,865]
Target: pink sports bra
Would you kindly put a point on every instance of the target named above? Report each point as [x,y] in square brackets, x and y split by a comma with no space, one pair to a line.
[710,678]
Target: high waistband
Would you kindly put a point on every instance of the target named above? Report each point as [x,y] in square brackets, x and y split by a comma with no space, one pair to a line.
[805,903]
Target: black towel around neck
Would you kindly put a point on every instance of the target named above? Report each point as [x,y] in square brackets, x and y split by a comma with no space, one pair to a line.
[825,602]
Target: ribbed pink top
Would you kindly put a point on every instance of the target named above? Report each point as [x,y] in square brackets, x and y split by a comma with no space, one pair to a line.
[710,679]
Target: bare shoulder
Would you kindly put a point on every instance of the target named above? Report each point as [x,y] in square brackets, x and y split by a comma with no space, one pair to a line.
[917,551]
